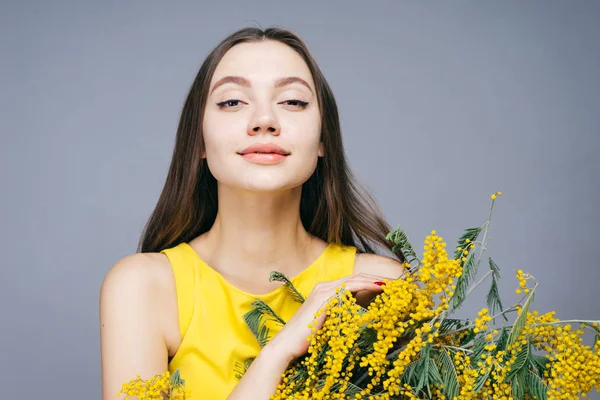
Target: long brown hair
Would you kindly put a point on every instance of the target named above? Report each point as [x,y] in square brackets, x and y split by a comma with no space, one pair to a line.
[333,206]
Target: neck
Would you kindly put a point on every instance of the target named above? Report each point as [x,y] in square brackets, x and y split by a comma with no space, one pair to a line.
[255,232]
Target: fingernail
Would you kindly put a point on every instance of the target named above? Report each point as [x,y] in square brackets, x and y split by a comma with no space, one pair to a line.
[379,283]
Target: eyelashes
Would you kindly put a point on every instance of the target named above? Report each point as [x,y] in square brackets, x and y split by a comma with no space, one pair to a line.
[300,104]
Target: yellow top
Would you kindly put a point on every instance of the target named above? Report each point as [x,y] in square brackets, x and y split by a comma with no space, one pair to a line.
[215,337]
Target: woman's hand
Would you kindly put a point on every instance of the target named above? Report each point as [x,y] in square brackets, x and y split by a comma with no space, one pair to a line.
[291,341]
[263,376]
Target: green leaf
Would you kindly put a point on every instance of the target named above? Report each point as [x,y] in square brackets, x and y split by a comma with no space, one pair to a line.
[267,311]
[478,349]
[320,384]
[422,369]
[241,368]
[324,353]
[493,300]
[409,376]
[536,386]
[449,324]
[366,339]
[299,375]
[255,322]
[519,324]
[468,337]
[469,273]
[399,237]
[257,318]
[449,374]
[480,381]
[519,385]
[501,344]
[427,371]
[434,373]
[521,359]
[494,267]
[176,380]
[263,335]
[538,363]
[337,386]
[352,389]
[471,234]
[296,295]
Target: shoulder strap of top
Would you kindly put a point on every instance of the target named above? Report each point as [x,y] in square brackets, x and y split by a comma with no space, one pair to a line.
[340,262]
[348,258]
[182,264]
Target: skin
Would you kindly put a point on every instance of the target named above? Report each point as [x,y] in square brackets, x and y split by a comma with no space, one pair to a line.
[258,226]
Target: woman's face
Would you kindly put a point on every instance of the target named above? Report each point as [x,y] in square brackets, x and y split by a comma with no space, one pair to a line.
[262,105]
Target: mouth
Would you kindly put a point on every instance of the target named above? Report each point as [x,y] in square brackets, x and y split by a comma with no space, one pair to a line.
[263,152]
[264,148]
[263,158]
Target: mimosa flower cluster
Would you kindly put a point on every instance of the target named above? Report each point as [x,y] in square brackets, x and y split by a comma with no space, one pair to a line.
[405,344]
[159,387]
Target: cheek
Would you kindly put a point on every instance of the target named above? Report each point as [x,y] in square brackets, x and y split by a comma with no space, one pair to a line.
[221,138]
[307,142]
[220,153]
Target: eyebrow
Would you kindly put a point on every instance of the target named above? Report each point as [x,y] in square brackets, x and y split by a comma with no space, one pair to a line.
[246,83]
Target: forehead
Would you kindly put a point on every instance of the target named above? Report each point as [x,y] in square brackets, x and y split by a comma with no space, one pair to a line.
[262,63]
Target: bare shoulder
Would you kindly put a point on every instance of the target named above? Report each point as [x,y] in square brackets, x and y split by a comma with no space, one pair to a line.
[140,271]
[378,265]
[144,283]
[138,309]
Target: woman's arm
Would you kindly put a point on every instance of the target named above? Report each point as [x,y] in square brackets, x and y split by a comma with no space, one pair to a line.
[261,379]
[131,339]
[264,375]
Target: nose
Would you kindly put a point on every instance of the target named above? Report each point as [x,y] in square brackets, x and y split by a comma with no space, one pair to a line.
[264,120]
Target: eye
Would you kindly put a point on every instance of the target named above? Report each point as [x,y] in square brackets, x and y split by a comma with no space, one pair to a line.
[223,103]
[298,103]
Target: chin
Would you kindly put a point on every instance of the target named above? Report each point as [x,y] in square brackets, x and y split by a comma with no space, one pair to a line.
[265,184]
[271,178]
[268,186]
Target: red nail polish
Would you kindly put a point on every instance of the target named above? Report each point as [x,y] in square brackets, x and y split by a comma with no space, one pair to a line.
[379,283]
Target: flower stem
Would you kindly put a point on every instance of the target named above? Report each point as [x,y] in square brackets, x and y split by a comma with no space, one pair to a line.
[456,348]
[478,283]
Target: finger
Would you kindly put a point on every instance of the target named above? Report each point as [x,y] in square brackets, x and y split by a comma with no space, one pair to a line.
[372,276]
[363,290]
[356,278]
[356,285]
[368,277]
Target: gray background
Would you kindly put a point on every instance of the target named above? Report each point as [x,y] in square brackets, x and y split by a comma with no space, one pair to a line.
[441,104]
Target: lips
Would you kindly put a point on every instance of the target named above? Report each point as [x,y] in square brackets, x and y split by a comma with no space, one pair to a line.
[265,148]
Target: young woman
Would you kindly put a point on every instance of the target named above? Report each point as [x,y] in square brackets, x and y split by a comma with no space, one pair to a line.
[258,183]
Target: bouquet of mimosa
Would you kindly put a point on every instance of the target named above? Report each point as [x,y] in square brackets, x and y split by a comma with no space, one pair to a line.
[405,344]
